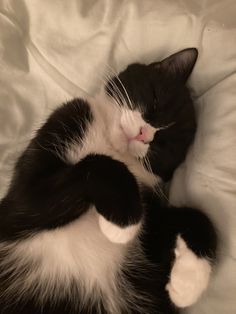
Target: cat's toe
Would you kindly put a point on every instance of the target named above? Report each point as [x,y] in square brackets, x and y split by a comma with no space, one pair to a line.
[189,276]
[116,233]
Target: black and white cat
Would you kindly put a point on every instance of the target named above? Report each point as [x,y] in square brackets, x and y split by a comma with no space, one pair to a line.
[82,228]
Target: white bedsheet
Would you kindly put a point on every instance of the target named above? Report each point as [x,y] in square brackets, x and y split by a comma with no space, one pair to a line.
[51,51]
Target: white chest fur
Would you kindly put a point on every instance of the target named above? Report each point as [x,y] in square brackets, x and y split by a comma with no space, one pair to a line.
[78,252]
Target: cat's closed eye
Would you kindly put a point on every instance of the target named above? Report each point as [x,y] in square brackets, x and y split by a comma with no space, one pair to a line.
[155,102]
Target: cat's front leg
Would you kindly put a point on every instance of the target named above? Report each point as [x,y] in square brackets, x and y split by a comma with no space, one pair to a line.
[113,189]
[195,253]
[116,233]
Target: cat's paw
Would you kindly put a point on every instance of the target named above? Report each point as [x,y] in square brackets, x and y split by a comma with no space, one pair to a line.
[189,276]
[117,234]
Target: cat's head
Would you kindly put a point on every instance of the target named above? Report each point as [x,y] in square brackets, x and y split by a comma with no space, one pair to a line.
[157,118]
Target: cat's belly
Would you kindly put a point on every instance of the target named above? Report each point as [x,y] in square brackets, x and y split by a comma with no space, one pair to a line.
[49,262]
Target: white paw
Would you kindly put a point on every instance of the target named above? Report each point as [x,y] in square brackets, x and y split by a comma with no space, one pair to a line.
[189,276]
[118,234]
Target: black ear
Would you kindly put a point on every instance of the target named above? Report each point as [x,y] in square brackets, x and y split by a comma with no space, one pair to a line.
[178,66]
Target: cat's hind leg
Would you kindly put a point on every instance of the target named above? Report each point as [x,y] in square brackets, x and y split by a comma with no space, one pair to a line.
[183,242]
[189,276]
[194,256]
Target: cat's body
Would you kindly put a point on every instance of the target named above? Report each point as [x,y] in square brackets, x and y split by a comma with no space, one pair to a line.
[82,229]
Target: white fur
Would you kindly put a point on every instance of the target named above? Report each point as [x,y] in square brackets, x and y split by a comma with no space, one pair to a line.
[77,251]
[117,234]
[45,265]
[105,136]
[131,122]
[138,148]
[89,251]
[189,276]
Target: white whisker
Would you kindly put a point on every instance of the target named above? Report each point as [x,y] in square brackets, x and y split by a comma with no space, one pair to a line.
[123,87]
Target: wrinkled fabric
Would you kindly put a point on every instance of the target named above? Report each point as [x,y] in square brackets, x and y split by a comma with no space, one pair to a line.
[52,51]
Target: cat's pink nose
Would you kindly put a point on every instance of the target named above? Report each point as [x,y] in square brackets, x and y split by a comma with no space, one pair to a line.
[143,135]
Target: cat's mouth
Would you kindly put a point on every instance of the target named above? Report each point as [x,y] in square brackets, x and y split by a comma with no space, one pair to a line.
[131,134]
[138,144]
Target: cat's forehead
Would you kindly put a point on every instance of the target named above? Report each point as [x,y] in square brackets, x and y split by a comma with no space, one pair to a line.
[143,81]
[138,74]
[139,81]
[164,78]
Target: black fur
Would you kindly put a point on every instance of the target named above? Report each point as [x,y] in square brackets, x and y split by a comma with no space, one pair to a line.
[46,192]
[160,90]
[44,186]
[162,225]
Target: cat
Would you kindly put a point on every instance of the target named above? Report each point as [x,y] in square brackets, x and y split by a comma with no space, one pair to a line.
[82,227]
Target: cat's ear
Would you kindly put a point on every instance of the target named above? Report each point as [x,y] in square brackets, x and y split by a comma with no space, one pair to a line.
[178,66]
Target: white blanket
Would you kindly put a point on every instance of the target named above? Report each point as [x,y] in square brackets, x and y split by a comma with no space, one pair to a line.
[51,51]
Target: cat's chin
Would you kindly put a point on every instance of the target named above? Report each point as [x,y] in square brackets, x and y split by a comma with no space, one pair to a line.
[138,149]
[133,148]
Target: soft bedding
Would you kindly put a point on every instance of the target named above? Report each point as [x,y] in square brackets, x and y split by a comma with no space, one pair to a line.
[52,51]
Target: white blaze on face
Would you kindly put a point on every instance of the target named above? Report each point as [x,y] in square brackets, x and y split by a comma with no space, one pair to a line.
[138,133]
[125,129]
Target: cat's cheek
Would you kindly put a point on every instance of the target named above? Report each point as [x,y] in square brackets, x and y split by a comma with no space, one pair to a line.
[118,139]
[117,234]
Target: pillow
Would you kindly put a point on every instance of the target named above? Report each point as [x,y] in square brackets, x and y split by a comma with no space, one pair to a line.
[52,51]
